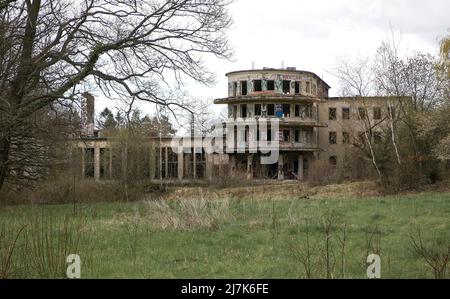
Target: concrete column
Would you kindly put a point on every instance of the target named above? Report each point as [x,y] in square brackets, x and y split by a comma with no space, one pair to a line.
[166,162]
[209,166]
[300,168]
[280,167]
[96,163]
[180,164]
[194,164]
[249,167]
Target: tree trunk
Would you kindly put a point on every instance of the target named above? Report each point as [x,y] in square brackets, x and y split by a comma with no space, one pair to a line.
[5,143]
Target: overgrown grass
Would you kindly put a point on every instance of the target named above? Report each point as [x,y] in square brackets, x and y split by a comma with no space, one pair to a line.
[230,237]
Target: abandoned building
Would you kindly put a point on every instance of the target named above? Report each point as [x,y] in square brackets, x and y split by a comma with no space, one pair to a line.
[313,129]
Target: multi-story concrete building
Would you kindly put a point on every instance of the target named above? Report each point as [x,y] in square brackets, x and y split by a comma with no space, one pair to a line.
[311,127]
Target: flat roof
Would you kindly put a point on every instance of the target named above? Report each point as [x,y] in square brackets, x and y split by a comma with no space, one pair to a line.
[278,70]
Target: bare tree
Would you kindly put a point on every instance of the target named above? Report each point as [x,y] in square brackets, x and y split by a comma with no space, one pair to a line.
[141,49]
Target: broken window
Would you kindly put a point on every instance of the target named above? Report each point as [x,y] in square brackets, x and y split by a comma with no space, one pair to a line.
[257,109]
[332,113]
[286,86]
[286,135]
[362,112]
[333,160]
[270,84]
[244,88]
[345,138]
[286,110]
[297,87]
[243,110]
[332,137]
[271,109]
[346,113]
[257,85]
[376,113]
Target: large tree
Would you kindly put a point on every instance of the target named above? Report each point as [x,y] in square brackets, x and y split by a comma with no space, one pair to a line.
[141,49]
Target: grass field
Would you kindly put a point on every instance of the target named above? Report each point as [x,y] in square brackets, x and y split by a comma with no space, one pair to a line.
[228,236]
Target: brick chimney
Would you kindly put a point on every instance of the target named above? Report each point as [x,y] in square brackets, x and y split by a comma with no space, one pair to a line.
[88,115]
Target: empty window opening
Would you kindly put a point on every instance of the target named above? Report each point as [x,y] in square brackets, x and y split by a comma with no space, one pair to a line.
[297,110]
[332,113]
[286,86]
[297,87]
[89,162]
[235,108]
[244,88]
[269,134]
[271,109]
[257,85]
[346,113]
[257,109]
[297,135]
[286,135]
[333,160]
[376,113]
[243,110]
[332,137]
[286,110]
[362,113]
[270,85]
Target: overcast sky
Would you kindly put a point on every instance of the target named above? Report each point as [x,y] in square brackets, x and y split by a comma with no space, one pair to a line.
[311,34]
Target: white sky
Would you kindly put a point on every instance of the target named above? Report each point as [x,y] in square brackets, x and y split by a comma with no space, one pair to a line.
[311,34]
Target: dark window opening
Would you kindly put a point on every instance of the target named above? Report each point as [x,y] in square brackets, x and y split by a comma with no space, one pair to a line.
[270,85]
[362,112]
[286,110]
[89,162]
[257,109]
[333,160]
[269,134]
[297,135]
[243,110]
[286,86]
[234,111]
[286,135]
[297,110]
[257,85]
[234,89]
[271,109]
[244,88]
[332,113]
[377,113]
[346,113]
[297,87]
[332,137]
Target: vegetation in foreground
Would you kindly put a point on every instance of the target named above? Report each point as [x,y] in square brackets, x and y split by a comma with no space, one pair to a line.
[219,236]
